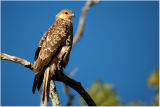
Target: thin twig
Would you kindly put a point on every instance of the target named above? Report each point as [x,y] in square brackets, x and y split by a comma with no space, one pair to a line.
[73,72]
[23,62]
[80,29]
[70,96]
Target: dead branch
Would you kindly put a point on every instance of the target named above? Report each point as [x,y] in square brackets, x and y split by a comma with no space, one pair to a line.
[53,94]
[76,86]
[27,64]
[58,77]
[23,62]
[80,29]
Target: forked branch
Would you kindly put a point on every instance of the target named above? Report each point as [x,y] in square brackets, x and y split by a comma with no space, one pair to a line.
[58,77]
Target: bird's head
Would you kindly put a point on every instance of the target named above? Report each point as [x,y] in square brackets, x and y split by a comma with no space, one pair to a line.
[65,14]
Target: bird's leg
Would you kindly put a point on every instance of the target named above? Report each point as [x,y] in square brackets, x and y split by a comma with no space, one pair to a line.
[62,56]
[60,62]
[59,65]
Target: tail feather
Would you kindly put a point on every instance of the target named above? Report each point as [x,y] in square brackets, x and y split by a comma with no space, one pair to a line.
[37,82]
[45,84]
[45,77]
[34,85]
[40,81]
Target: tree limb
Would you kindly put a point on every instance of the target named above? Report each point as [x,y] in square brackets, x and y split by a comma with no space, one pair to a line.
[23,62]
[53,94]
[58,77]
[80,29]
[76,86]
[27,64]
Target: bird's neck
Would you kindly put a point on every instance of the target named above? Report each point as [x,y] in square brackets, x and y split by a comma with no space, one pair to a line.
[66,20]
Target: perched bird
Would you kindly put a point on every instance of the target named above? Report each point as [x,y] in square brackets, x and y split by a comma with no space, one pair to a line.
[53,50]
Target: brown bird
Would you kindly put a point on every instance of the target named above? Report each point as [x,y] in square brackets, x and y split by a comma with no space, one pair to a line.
[53,50]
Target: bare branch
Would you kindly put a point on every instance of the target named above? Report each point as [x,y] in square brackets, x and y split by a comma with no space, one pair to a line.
[23,62]
[27,64]
[53,94]
[79,32]
[60,76]
[73,72]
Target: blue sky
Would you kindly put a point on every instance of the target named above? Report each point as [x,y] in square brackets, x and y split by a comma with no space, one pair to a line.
[119,46]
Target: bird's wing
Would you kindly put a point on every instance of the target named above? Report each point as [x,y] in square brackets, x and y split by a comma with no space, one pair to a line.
[53,40]
[40,45]
[51,45]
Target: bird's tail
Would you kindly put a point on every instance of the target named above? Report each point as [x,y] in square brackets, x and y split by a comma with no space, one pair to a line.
[34,84]
[44,77]
[46,81]
[49,72]
[37,82]
[39,78]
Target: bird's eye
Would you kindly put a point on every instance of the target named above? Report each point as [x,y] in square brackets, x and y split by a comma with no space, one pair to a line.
[66,12]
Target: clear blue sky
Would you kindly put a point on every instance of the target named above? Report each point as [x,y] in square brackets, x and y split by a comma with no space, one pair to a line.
[119,46]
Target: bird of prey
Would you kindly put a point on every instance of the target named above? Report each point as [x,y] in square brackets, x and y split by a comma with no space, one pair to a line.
[53,50]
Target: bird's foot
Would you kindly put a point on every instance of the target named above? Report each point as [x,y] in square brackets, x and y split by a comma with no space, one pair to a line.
[59,65]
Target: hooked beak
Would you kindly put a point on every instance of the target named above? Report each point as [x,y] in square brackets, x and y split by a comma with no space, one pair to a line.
[72,15]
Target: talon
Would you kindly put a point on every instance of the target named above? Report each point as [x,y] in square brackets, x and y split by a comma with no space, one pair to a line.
[59,65]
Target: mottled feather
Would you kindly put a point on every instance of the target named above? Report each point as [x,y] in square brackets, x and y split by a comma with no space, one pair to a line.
[51,49]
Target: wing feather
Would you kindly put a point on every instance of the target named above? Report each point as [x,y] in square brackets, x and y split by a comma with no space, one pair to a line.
[41,43]
[49,46]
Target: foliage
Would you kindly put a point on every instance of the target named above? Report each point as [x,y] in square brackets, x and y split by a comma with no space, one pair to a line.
[104,94]
[136,103]
[153,82]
